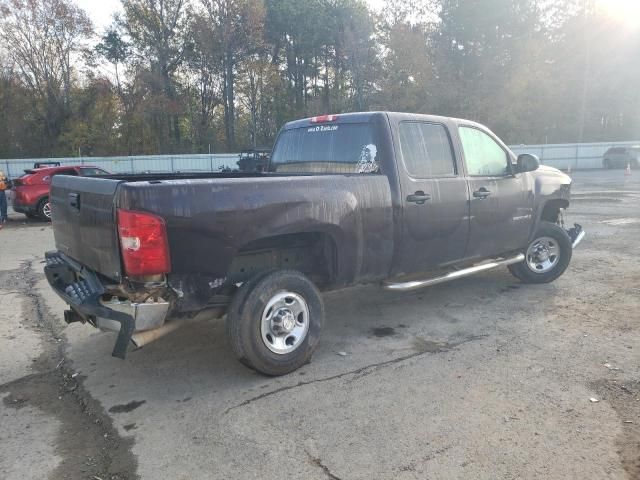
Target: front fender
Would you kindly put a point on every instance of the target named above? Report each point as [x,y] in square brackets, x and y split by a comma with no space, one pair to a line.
[552,192]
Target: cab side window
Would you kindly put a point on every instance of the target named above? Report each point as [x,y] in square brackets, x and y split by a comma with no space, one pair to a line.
[483,155]
[426,150]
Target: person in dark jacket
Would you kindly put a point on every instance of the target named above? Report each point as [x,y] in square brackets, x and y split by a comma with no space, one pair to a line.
[4,186]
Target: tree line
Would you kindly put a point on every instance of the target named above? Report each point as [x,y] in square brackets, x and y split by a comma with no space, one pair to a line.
[193,76]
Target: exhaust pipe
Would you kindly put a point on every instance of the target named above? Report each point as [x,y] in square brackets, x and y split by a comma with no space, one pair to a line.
[140,339]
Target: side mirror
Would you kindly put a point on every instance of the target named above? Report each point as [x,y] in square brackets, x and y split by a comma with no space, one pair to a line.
[527,163]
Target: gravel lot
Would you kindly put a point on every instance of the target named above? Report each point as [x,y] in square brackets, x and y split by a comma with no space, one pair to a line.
[482,378]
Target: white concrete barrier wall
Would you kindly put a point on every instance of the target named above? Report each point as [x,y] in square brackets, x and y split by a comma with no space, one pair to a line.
[135,164]
[580,156]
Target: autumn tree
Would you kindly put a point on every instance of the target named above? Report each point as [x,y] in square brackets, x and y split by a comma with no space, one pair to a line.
[236,30]
[192,75]
[158,30]
[43,39]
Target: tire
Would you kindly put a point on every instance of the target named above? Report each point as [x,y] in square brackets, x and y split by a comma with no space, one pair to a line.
[44,210]
[548,239]
[233,311]
[274,322]
[607,164]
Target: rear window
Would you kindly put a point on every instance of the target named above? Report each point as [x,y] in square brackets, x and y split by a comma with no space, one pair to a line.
[71,172]
[92,172]
[326,148]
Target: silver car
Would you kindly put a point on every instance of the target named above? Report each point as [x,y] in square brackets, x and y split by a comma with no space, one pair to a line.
[620,157]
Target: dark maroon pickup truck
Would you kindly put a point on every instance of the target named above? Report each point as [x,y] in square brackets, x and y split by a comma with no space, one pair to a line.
[402,199]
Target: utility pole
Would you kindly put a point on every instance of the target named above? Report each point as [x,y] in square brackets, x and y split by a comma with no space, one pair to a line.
[587,5]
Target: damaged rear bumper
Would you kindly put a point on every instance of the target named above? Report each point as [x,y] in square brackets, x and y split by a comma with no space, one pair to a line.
[83,290]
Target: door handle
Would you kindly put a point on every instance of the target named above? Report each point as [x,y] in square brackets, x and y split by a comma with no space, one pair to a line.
[419,197]
[482,193]
[74,200]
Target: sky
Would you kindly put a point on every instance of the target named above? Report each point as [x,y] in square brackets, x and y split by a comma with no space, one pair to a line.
[101,11]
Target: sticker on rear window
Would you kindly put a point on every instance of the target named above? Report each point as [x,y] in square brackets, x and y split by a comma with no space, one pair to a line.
[322,128]
[367,162]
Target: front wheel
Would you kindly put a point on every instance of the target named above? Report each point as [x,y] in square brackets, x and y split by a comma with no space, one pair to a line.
[547,257]
[274,322]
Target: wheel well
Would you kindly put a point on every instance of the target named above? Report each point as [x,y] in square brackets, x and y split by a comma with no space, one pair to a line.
[551,210]
[312,253]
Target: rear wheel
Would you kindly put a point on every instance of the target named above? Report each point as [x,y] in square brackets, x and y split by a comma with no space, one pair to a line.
[547,256]
[274,322]
[44,209]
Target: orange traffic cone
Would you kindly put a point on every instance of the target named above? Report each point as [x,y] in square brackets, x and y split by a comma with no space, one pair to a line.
[627,172]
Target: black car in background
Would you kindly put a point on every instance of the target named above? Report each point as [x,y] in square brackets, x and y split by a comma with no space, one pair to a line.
[620,157]
[254,160]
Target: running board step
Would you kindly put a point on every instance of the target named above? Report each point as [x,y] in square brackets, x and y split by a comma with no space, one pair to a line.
[416,284]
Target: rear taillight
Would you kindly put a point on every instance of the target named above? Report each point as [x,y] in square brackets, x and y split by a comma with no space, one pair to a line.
[143,240]
[27,180]
[324,118]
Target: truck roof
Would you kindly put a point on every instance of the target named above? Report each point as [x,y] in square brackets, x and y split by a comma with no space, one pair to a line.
[359,117]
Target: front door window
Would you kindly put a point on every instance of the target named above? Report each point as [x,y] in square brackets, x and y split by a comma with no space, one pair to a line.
[483,156]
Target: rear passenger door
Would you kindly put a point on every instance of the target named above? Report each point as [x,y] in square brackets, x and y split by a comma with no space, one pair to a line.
[435,224]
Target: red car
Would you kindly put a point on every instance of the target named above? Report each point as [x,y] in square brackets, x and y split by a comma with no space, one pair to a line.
[31,191]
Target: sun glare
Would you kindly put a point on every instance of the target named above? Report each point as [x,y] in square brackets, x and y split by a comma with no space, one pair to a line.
[625,11]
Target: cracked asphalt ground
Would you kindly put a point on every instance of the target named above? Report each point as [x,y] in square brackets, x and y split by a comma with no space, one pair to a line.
[482,378]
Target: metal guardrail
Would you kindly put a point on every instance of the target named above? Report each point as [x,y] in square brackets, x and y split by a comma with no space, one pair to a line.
[575,155]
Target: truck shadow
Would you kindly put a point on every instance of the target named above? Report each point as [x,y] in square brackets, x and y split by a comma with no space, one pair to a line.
[364,326]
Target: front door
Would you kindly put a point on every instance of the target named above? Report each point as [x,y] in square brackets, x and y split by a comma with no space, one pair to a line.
[435,225]
[500,203]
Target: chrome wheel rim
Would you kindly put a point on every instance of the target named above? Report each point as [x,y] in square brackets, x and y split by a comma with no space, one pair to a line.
[46,209]
[285,322]
[543,254]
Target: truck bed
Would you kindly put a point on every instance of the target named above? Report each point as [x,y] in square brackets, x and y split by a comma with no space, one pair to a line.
[210,217]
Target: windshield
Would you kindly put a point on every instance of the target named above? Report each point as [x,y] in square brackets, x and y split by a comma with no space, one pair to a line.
[326,148]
